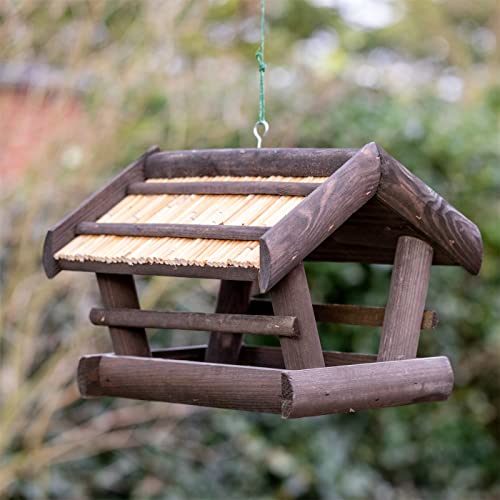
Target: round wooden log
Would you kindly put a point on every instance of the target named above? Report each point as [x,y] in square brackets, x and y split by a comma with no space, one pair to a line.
[322,391]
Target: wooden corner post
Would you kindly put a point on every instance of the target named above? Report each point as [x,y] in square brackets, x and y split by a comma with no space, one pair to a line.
[118,291]
[291,297]
[233,298]
[406,302]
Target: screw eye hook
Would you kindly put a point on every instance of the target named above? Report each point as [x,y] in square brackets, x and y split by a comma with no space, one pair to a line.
[258,124]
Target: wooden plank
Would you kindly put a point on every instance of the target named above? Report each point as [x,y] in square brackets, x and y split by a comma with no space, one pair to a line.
[285,326]
[226,273]
[294,162]
[431,214]
[225,187]
[291,297]
[186,382]
[406,302]
[118,291]
[318,216]
[233,298]
[212,231]
[268,357]
[360,387]
[91,209]
[371,236]
[345,314]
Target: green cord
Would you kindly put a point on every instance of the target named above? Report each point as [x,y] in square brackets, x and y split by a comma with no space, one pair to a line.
[259,55]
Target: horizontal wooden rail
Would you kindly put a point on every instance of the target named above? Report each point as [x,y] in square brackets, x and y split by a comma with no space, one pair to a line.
[292,393]
[212,231]
[282,326]
[345,314]
[225,187]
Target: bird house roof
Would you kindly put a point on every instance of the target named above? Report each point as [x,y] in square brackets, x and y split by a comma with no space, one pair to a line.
[248,214]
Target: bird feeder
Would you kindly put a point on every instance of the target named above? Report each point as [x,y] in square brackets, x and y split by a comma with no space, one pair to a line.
[249,218]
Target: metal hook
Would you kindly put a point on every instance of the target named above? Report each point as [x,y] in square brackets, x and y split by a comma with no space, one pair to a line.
[256,131]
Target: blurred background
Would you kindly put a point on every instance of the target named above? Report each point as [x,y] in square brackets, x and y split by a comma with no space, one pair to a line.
[88,86]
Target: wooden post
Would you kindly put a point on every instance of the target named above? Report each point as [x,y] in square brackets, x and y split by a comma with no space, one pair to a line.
[233,297]
[291,297]
[117,291]
[406,303]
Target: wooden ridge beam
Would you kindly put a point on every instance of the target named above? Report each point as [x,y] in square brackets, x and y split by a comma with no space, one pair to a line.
[297,234]
[293,162]
[346,314]
[225,188]
[282,326]
[209,231]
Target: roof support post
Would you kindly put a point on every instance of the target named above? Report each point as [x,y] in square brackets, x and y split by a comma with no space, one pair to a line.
[118,291]
[406,302]
[234,297]
[291,297]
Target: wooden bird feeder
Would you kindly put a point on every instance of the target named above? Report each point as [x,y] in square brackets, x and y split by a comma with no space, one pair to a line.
[249,218]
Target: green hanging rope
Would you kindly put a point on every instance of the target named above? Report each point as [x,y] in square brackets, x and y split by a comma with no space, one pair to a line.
[259,55]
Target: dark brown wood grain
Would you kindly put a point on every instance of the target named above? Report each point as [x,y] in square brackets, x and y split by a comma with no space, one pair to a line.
[207,272]
[285,326]
[297,234]
[201,384]
[233,298]
[406,302]
[361,387]
[209,231]
[91,209]
[225,188]
[268,357]
[118,291]
[291,296]
[240,162]
[345,314]
[430,214]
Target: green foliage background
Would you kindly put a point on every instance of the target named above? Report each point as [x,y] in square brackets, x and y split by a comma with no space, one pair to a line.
[423,81]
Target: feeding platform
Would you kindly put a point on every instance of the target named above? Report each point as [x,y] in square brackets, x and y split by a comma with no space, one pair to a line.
[249,218]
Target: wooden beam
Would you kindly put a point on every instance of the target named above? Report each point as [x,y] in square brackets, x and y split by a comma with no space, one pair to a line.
[209,231]
[207,272]
[187,382]
[281,326]
[267,357]
[233,298]
[291,296]
[297,234]
[406,303]
[345,314]
[265,162]
[225,188]
[353,388]
[431,214]
[118,291]
[91,209]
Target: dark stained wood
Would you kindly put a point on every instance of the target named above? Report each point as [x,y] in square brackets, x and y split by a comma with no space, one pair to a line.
[291,297]
[360,387]
[118,291]
[370,236]
[240,162]
[212,231]
[298,233]
[406,303]
[345,314]
[226,273]
[225,187]
[91,209]
[201,384]
[233,298]
[429,213]
[268,357]
[285,326]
